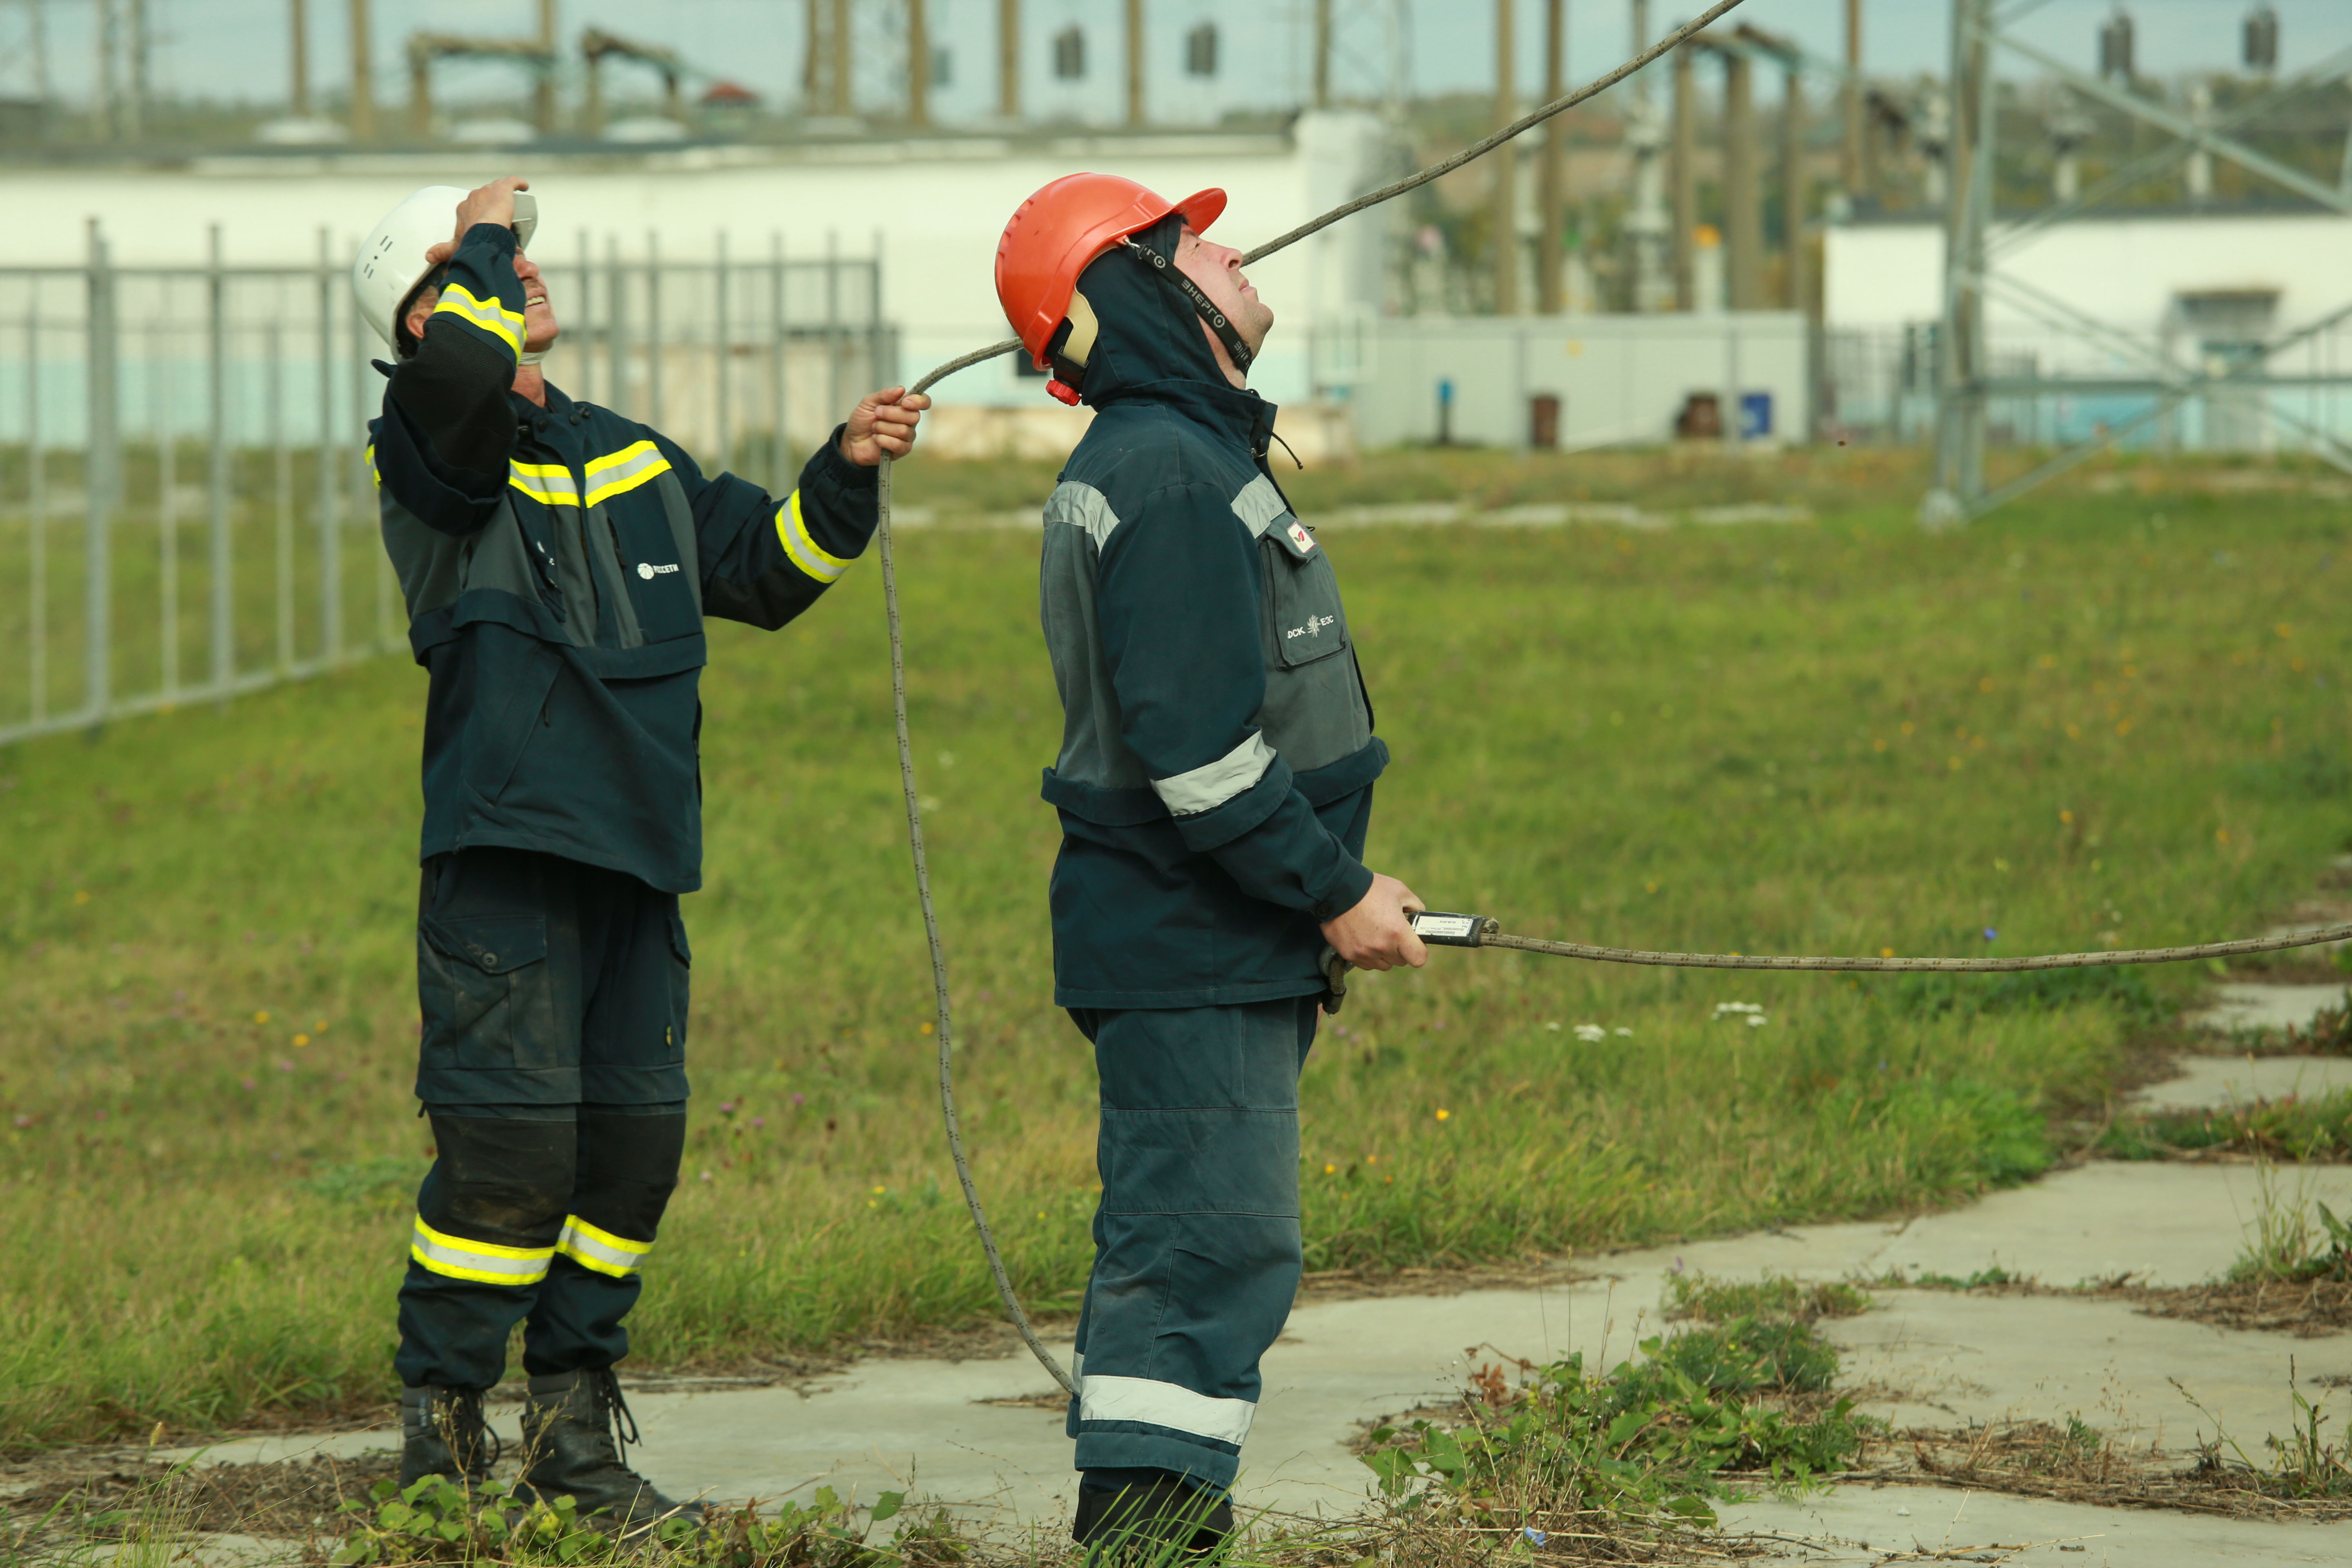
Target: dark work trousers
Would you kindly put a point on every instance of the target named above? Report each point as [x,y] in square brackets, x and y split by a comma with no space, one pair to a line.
[552,1065]
[1196,1238]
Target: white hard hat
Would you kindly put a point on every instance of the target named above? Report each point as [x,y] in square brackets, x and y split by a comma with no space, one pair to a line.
[392,259]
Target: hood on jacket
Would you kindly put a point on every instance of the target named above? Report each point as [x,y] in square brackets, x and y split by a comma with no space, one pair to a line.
[1149,340]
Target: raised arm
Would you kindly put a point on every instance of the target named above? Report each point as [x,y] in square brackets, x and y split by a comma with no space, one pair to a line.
[447,427]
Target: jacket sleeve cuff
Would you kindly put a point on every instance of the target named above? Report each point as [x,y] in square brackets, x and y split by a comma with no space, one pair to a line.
[826,462]
[1350,880]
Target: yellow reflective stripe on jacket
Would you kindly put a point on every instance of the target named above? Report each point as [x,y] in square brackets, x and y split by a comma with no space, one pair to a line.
[373,473]
[806,552]
[484,1262]
[601,1250]
[549,482]
[488,314]
[626,470]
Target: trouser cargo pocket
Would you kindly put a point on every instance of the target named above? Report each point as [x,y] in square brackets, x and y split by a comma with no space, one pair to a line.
[487,1000]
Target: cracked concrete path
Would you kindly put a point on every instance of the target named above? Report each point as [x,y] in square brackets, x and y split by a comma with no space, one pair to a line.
[986,1435]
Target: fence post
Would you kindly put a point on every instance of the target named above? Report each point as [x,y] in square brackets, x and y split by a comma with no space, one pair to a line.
[101,477]
[779,461]
[281,493]
[36,502]
[584,333]
[876,374]
[330,521]
[832,341]
[223,554]
[616,350]
[726,357]
[167,506]
[363,476]
[653,330]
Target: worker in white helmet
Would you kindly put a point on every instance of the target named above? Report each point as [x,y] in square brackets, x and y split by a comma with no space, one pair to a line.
[558,561]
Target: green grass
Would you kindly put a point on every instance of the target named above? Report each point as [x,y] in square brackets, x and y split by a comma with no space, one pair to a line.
[2292,1128]
[2080,722]
[1775,1296]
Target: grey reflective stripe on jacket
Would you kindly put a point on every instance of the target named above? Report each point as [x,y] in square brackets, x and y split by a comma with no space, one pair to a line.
[1314,712]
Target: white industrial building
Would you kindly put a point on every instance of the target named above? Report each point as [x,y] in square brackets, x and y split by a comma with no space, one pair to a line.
[930,208]
[2217,293]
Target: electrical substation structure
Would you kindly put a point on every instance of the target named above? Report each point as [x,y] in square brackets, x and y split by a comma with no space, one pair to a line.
[2232,373]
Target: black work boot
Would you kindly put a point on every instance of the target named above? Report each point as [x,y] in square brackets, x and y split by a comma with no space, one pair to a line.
[574,1425]
[1154,1522]
[442,1434]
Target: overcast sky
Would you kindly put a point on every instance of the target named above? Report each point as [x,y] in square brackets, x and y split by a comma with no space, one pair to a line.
[237,50]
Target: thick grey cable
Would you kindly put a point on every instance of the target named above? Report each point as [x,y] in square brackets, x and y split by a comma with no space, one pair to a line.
[931,918]
[1005,1290]
[1915,965]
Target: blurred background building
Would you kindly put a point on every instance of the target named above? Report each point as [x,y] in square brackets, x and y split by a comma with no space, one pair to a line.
[2090,223]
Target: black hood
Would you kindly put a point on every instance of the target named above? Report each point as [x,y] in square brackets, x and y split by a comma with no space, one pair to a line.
[1150,346]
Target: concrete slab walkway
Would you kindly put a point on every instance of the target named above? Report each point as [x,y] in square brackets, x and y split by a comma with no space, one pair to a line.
[986,1435]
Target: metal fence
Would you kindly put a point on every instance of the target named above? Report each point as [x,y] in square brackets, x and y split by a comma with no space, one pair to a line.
[2292,393]
[185,507]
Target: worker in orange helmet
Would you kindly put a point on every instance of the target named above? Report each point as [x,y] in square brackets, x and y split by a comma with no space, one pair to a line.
[1215,786]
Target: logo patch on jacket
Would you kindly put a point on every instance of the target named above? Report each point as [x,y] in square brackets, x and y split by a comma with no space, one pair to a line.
[648,570]
[1313,628]
[1301,538]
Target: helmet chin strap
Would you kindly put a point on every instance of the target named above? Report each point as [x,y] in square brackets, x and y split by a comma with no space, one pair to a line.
[1216,321]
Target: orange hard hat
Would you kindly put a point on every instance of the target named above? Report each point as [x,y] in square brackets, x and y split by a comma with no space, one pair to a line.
[1063,226]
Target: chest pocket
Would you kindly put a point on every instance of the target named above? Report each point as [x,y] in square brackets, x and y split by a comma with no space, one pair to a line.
[661,580]
[651,530]
[1304,616]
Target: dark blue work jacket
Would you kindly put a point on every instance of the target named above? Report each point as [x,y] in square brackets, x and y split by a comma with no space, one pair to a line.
[1215,775]
[558,564]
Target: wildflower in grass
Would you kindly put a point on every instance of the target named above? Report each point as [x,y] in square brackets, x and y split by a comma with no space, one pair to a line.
[725,1108]
[2220,836]
[24,1121]
[1591,1034]
[284,1066]
[2067,818]
[247,1084]
[1535,1537]
[261,1018]
[1329,1169]
[1554,1027]
[1990,935]
[931,1028]
[1627,1033]
[1886,953]
[799,1099]
[302,1040]
[1443,1114]
[759,1122]
[1738,1010]
[81,895]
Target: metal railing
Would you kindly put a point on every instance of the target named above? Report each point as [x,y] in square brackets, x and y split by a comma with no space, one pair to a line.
[185,507]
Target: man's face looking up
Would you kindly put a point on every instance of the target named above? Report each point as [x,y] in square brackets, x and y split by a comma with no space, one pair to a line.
[1217,270]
